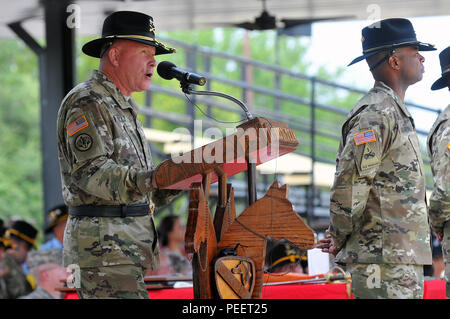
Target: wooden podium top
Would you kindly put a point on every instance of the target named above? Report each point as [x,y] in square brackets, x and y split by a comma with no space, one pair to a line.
[256,141]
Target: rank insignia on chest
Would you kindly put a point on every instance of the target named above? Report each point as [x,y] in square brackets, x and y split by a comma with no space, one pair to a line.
[77,125]
[364,137]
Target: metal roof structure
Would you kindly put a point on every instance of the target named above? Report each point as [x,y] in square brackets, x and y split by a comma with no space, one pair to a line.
[196,14]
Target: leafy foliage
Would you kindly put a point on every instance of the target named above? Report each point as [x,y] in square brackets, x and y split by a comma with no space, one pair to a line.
[20,156]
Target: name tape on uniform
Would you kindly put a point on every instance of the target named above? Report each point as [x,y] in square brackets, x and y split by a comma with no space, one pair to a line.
[77,125]
[364,137]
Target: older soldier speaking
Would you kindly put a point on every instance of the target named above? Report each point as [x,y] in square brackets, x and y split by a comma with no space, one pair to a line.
[438,146]
[106,166]
[378,216]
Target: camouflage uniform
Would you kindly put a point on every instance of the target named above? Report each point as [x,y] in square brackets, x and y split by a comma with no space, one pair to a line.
[35,259]
[38,293]
[105,160]
[13,282]
[378,213]
[438,145]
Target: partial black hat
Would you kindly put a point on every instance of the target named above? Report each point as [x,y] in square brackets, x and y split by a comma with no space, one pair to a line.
[56,215]
[444,58]
[126,25]
[283,252]
[4,242]
[389,34]
[24,231]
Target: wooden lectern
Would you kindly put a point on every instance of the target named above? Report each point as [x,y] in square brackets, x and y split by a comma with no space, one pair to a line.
[229,251]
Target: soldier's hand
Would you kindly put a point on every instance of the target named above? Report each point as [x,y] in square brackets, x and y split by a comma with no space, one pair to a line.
[324,243]
[439,236]
[154,172]
[327,245]
[154,184]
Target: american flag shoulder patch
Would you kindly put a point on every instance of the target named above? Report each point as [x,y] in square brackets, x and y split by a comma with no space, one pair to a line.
[364,137]
[77,125]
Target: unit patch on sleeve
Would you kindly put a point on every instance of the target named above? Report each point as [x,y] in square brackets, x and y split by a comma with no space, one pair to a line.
[83,142]
[364,137]
[369,158]
[77,125]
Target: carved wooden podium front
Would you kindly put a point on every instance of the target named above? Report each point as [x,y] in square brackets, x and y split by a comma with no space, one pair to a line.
[229,251]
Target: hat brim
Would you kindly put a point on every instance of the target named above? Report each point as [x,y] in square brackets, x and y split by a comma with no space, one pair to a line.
[93,48]
[422,47]
[441,83]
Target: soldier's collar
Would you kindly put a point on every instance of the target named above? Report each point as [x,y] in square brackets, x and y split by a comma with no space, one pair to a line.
[112,88]
[380,85]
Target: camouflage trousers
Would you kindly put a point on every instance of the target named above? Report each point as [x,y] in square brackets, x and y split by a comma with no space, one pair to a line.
[387,281]
[446,254]
[112,282]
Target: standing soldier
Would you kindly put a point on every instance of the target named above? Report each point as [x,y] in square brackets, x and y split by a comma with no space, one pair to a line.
[21,237]
[110,239]
[378,216]
[438,146]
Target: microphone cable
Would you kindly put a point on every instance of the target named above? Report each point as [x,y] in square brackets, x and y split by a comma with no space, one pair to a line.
[211,117]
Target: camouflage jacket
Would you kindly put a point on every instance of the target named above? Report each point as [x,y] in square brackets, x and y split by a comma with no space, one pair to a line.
[105,160]
[13,282]
[378,212]
[438,147]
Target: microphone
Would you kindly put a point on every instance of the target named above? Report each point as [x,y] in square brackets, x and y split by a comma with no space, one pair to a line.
[167,70]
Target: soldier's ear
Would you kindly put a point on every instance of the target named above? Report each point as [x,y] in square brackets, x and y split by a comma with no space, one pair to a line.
[113,56]
[394,62]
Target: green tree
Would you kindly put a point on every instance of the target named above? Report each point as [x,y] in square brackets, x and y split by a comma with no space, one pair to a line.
[20,156]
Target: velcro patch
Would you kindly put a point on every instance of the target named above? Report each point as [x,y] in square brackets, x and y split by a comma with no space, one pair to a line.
[77,125]
[83,142]
[369,158]
[364,137]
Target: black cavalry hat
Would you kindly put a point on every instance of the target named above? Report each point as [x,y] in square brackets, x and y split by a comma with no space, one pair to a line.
[56,215]
[126,25]
[389,34]
[4,242]
[24,231]
[282,253]
[444,58]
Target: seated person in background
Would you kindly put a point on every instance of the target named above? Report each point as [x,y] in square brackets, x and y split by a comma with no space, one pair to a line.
[46,267]
[173,261]
[13,281]
[284,257]
[57,220]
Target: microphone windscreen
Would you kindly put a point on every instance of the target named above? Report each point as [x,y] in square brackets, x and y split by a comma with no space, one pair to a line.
[164,70]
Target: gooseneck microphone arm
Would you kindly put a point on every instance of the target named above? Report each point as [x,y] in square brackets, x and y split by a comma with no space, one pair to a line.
[251,167]
[186,88]
[167,70]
